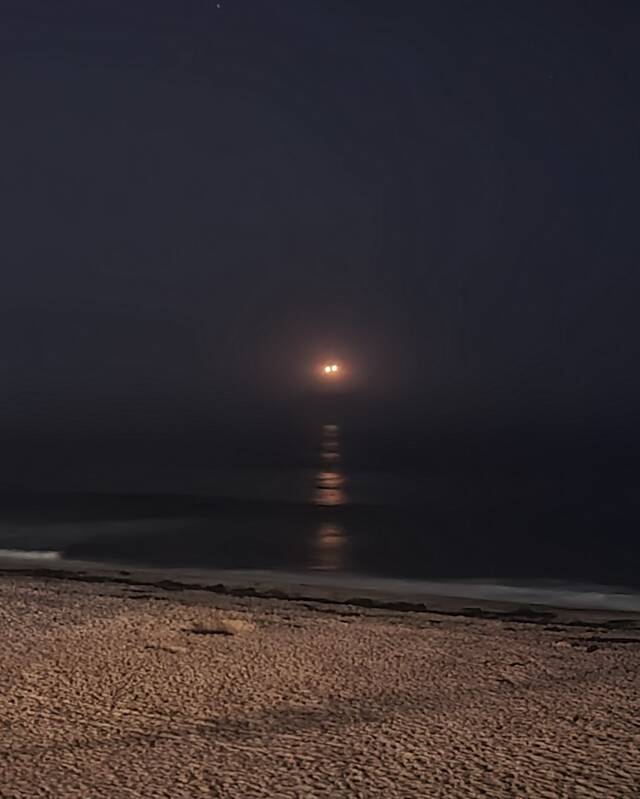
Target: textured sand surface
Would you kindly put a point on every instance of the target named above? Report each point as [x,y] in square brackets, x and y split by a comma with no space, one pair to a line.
[117,691]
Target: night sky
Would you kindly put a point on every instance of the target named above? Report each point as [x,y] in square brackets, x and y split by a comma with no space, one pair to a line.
[201,200]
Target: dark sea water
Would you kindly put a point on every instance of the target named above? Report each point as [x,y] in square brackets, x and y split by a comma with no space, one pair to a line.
[341,505]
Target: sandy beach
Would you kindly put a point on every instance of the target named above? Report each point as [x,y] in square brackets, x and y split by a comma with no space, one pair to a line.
[155,690]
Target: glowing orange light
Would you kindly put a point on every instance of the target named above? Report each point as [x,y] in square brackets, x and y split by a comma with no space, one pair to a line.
[331,369]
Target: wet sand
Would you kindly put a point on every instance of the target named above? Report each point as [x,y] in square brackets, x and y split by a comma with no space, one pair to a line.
[152,689]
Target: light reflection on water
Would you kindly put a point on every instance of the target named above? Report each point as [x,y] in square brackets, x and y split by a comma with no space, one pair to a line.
[329,547]
[329,541]
[330,482]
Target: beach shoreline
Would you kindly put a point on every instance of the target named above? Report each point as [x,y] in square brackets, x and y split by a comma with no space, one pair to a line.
[322,588]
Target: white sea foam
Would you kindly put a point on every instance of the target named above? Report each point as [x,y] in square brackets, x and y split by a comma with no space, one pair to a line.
[30,554]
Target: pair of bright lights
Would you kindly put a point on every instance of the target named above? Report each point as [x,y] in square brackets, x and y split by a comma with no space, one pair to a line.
[331,368]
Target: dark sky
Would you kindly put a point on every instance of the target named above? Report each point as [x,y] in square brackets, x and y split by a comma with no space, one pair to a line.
[200,202]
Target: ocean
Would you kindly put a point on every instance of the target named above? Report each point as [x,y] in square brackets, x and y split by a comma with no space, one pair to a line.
[463,520]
